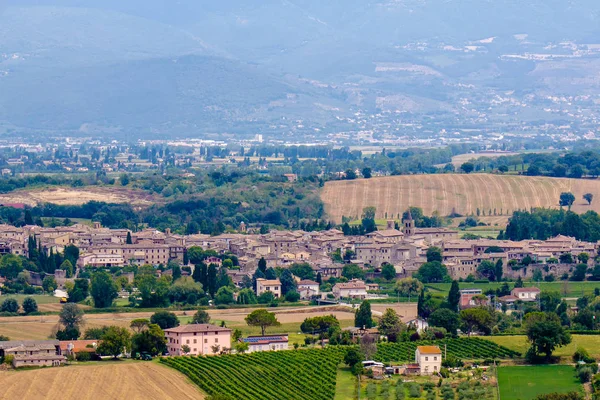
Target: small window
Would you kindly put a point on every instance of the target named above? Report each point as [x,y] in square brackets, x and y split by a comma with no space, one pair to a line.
[205,340]
[435,358]
[426,358]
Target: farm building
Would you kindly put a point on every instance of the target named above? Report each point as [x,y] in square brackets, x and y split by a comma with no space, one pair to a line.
[33,353]
[429,359]
[202,339]
[266,343]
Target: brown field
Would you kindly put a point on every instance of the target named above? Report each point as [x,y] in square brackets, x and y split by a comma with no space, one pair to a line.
[445,192]
[463,158]
[126,380]
[41,327]
[74,196]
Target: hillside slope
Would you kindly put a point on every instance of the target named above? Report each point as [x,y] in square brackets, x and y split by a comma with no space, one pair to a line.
[444,193]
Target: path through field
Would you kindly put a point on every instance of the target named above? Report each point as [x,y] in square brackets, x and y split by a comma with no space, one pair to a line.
[104,381]
[460,192]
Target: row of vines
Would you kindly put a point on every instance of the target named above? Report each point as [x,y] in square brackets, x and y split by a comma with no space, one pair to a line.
[472,348]
[298,375]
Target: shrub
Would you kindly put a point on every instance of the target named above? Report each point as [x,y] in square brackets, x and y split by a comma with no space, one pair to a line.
[585,374]
[414,390]
[582,354]
[83,356]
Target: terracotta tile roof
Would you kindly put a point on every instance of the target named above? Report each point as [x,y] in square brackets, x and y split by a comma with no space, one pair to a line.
[429,350]
[308,282]
[197,328]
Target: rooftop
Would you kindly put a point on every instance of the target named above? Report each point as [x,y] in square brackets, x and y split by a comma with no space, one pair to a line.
[197,328]
[429,350]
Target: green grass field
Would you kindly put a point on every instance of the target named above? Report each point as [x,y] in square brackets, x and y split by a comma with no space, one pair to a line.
[525,383]
[40,299]
[566,288]
[519,343]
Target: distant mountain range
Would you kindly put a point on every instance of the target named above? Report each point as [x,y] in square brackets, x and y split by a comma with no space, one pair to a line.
[229,66]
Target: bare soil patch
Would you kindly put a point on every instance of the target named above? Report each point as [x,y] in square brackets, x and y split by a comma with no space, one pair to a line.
[78,196]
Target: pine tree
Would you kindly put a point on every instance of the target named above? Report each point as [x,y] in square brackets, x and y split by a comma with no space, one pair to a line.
[454,296]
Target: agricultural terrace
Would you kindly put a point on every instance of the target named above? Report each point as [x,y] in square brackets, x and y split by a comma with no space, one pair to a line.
[462,193]
[108,380]
[524,383]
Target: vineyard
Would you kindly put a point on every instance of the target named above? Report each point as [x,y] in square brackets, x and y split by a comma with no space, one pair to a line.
[463,348]
[499,195]
[305,374]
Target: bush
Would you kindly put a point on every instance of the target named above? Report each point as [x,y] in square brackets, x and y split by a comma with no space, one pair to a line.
[292,296]
[414,390]
[8,359]
[83,356]
[581,354]
[585,374]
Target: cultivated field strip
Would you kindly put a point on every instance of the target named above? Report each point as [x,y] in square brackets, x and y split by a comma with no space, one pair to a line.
[127,380]
[460,192]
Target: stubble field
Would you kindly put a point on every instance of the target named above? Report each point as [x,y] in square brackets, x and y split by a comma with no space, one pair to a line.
[105,381]
[75,196]
[459,192]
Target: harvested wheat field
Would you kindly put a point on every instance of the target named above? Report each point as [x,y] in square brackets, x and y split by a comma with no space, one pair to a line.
[111,380]
[74,196]
[460,192]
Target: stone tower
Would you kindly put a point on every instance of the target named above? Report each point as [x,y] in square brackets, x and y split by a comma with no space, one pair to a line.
[409,224]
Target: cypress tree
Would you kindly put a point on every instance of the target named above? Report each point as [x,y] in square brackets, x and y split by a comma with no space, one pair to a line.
[454,296]
[421,304]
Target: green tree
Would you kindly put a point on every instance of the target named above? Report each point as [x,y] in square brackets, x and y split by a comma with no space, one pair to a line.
[200,317]
[353,358]
[263,319]
[128,240]
[10,266]
[29,305]
[71,316]
[116,341]
[388,272]
[165,319]
[49,284]
[302,271]
[583,258]
[499,270]
[151,340]
[475,319]
[545,333]
[434,254]
[353,271]
[10,306]
[588,197]
[408,287]
[366,173]
[71,253]
[68,267]
[185,290]
[363,317]
[549,301]
[445,318]
[246,296]
[566,199]
[467,167]
[454,296]
[104,289]
[288,284]
[211,280]
[579,272]
[390,325]
[79,291]
[224,296]
[139,324]
[487,269]
[431,272]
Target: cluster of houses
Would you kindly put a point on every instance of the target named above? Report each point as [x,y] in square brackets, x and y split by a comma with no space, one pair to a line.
[404,249]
